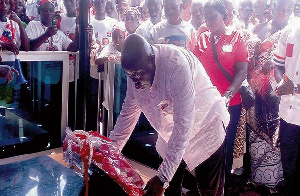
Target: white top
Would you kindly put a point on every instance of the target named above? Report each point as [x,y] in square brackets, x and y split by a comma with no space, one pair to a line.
[144,29]
[181,34]
[182,105]
[68,25]
[102,30]
[287,54]
[35,29]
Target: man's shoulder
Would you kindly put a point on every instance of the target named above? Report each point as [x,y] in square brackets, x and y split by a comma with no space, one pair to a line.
[35,22]
[161,25]
[34,25]
[109,19]
[145,24]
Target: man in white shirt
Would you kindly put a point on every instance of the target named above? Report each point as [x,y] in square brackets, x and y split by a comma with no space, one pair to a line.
[170,86]
[287,61]
[102,28]
[44,34]
[155,11]
[102,24]
[173,30]
[68,19]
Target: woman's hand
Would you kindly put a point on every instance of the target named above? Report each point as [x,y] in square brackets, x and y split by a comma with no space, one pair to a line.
[154,187]
[7,72]
[10,47]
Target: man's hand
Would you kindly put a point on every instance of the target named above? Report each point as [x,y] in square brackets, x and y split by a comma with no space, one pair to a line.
[7,72]
[267,67]
[52,30]
[154,187]
[285,87]
[10,47]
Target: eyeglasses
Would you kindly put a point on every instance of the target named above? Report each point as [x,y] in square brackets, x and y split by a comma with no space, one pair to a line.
[134,74]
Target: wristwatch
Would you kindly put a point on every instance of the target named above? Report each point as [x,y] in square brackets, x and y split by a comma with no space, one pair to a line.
[164,181]
[296,90]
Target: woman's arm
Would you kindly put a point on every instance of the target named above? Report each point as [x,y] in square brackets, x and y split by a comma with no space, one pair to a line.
[23,34]
[241,74]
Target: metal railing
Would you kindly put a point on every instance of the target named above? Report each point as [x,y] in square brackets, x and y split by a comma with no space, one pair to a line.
[41,56]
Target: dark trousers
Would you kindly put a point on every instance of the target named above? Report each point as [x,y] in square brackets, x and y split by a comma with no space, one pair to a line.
[209,176]
[235,114]
[289,137]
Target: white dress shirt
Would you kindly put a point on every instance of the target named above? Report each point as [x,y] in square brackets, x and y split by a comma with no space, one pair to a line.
[182,105]
[287,54]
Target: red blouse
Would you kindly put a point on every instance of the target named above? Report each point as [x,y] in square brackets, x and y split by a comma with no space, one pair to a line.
[231,49]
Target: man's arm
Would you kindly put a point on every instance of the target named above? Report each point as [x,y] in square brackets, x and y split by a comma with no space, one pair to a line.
[127,119]
[37,42]
[183,96]
[240,76]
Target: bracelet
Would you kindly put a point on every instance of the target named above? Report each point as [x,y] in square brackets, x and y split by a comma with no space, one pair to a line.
[295,90]
[229,94]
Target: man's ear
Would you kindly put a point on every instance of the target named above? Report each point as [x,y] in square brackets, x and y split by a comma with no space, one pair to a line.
[152,57]
[181,6]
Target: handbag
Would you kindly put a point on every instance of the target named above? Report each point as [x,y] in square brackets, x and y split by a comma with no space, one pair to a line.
[247,95]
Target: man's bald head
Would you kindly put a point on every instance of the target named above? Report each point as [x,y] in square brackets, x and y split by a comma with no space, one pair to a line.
[135,52]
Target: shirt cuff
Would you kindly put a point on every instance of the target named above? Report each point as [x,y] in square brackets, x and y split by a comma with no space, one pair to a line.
[278,60]
[167,169]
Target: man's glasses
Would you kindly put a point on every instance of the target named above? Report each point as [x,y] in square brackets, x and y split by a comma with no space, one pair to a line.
[134,74]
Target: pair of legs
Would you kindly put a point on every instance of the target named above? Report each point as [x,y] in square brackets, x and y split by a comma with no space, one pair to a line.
[209,176]
[235,115]
[289,137]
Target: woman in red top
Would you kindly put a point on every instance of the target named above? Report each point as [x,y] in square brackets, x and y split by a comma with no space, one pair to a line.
[232,54]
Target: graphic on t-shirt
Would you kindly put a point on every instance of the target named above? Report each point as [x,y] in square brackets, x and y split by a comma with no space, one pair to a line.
[178,40]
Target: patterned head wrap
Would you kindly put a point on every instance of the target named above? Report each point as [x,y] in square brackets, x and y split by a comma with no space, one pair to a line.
[134,10]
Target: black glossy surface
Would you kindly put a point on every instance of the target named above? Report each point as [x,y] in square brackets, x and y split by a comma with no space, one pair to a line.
[39,176]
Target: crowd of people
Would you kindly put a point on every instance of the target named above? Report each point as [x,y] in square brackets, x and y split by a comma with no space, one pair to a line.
[181,63]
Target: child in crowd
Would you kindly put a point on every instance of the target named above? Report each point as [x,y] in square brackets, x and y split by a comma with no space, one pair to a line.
[115,79]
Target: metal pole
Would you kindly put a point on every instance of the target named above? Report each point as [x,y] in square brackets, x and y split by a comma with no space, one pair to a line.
[84,65]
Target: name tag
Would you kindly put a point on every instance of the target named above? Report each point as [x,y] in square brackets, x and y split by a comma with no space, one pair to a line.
[227,48]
